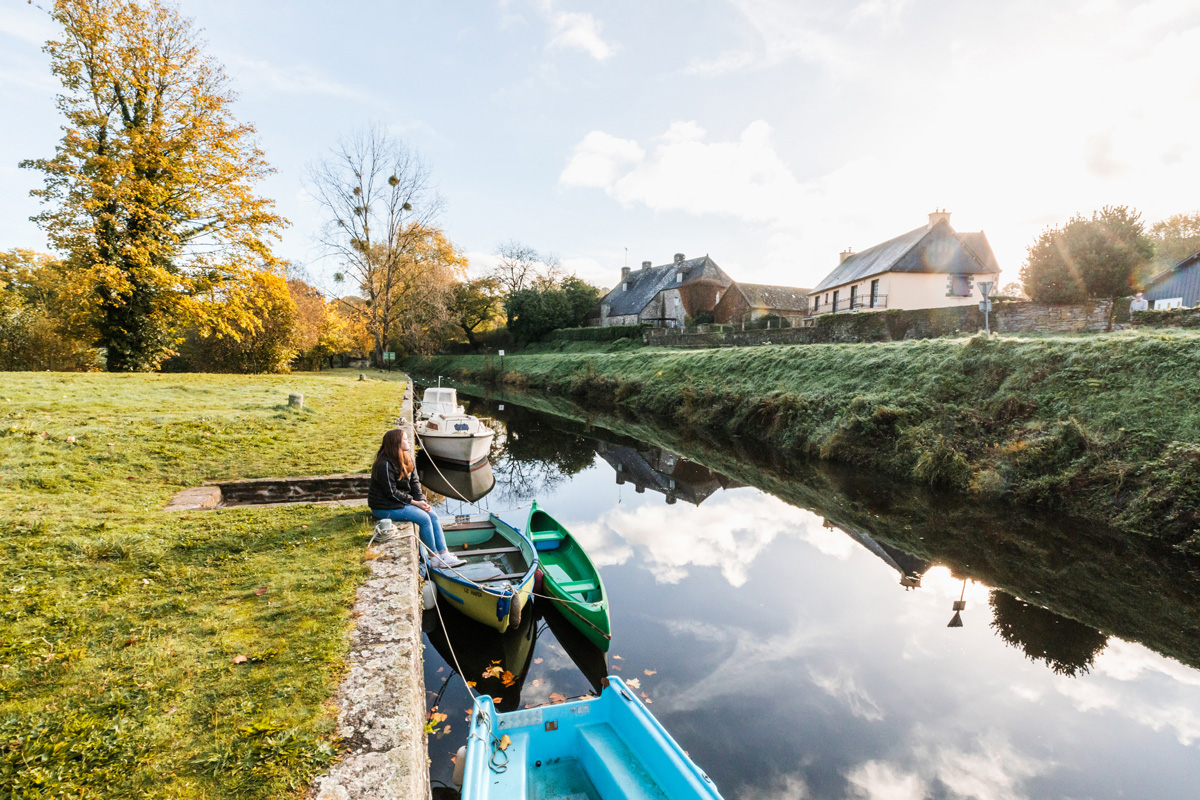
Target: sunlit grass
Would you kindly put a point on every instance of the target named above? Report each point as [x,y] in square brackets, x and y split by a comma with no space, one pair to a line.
[120,623]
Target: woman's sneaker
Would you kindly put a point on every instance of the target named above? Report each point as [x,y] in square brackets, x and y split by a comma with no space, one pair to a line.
[450,560]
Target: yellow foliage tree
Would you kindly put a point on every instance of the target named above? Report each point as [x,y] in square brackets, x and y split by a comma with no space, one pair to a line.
[150,190]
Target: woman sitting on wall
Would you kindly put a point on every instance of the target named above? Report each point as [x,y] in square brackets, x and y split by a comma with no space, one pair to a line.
[395,494]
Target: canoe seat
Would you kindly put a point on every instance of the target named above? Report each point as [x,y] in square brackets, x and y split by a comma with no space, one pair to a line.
[613,767]
[577,586]
[546,540]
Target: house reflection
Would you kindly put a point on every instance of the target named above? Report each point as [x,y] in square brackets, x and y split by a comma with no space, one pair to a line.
[911,568]
[664,472]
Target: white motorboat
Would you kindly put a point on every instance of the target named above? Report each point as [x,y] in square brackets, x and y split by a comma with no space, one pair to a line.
[446,433]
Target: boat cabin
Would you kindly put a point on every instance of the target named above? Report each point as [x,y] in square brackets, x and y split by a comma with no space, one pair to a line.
[440,401]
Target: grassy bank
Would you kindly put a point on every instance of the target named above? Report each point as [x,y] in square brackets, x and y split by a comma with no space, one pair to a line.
[1105,427]
[152,655]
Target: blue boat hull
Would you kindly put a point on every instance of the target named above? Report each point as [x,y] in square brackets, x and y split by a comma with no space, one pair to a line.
[602,748]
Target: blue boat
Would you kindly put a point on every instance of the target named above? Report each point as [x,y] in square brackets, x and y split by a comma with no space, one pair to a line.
[603,748]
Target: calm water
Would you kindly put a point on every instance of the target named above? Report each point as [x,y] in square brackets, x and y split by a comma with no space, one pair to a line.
[800,652]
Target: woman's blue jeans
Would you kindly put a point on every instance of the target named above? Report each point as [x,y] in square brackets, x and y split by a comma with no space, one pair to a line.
[427,524]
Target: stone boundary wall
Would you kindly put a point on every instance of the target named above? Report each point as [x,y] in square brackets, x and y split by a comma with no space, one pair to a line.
[894,325]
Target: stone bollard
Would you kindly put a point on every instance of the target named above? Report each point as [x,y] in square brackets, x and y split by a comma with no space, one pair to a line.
[296,400]
[362,376]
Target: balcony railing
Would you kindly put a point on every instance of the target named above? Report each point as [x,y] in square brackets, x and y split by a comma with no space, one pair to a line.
[867,303]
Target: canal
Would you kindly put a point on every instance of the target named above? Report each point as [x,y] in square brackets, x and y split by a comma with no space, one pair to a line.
[806,632]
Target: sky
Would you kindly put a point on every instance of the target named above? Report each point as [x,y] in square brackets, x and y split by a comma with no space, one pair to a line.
[768,134]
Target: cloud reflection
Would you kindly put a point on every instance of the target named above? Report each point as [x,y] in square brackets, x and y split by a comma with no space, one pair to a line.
[727,532]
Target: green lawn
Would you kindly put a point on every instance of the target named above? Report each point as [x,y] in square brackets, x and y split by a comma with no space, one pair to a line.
[120,623]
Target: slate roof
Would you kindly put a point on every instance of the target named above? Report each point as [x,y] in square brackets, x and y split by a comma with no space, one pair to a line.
[776,298]
[925,249]
[1181,280]
[644,284]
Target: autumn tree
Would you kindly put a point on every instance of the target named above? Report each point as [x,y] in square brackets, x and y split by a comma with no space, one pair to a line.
[1175,238]
[264,340]
[45,322]
[150,191]
[381,212]
[1098,258]
[475,304]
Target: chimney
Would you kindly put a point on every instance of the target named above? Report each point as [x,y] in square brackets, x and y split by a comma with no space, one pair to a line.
[624,274]
[845,254]
[679,258]
[645,265]
[939,215]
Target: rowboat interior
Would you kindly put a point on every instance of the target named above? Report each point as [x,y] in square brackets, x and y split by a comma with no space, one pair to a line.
[572,560]
[490,556]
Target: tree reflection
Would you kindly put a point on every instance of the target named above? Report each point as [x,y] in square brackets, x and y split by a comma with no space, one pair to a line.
[1066,646]
[531,457]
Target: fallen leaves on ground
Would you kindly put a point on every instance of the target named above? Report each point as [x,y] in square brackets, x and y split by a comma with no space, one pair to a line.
[555,697]
[260,591]
[507,678]
[239,659]
[493,672]
[633,683]
[650,671]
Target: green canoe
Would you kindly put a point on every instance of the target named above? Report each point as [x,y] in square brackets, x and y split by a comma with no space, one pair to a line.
[570,577]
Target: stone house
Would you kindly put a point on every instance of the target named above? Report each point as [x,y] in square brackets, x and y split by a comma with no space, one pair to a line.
[665,295]
[933,266]
[746,302]
[1176,287]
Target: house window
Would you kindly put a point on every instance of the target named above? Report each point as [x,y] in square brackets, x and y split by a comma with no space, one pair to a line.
[816,304]
[874,293]
[718,297]
[959,286]
[853,297]
[836,292]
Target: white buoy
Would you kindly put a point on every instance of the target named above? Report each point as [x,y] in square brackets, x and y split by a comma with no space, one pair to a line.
[428,595]
[460,765]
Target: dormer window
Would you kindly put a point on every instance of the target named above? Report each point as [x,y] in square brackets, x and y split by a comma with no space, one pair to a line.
[625,286]
[679,277]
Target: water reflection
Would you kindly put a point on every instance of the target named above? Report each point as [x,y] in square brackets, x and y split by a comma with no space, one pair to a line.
[456,481]
[1066,646]
[788,623]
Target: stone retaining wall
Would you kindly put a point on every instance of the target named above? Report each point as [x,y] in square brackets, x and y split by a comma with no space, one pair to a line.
[884,326]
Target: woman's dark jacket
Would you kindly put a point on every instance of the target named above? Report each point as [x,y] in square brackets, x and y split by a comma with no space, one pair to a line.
[388,491]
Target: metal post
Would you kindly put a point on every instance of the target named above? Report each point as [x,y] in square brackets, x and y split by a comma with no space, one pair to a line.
[985,305]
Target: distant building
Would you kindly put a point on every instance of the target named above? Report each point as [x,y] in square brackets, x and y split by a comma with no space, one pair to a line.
[664,295]
[746,302]
[930,267]
[1176,287]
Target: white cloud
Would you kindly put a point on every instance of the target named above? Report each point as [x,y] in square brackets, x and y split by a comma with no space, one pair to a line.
[580,31]
[599,160]
[877,780]
[842,685]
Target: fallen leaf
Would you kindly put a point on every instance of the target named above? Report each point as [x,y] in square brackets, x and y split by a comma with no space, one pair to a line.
[304,526]
[438,717]
[504,742]
[507,678]
[239,659]
[650,671]
[537,681]
[260,591]
[618,658]
[633,683]
[446,729]
[537,661]
[454,758]
[555,697]
[493,672]
[172,710]
[472,685]
[617,667]
[70,440]
[441,670]
[498,661]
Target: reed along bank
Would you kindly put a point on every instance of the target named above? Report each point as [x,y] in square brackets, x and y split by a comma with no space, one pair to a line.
[1105,427]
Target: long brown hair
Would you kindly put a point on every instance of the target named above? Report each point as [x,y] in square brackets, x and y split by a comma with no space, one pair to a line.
[394,453]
